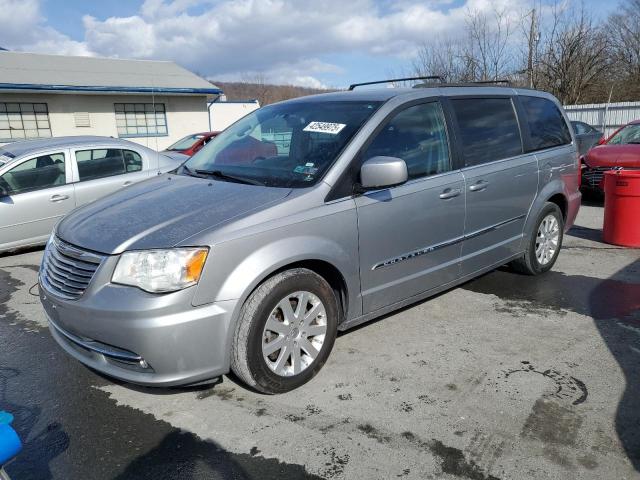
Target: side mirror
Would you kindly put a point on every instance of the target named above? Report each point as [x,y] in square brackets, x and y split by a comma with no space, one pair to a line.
[3,192]
[381,172]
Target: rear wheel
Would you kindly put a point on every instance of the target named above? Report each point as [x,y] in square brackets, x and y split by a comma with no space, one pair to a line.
[545,242]
[285,332]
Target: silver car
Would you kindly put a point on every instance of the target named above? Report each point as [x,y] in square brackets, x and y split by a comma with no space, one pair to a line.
[42,180]
[304,218]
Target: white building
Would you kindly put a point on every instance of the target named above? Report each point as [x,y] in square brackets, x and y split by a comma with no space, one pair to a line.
[223,113]
[149,102]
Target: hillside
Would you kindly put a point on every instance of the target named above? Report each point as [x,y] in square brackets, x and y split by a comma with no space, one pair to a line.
[265,93]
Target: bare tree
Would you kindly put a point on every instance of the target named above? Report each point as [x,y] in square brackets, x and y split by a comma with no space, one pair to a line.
[482,53]
[488,49]
[446,57]
[623,29]
[574,56]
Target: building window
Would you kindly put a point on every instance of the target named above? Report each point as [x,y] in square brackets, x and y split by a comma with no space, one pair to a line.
[23,120]
[141,119]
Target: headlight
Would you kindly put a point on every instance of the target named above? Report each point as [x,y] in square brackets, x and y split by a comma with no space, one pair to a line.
[160,270]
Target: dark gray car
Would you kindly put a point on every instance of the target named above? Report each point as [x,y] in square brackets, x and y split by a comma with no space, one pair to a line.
[586,136]
[372,200]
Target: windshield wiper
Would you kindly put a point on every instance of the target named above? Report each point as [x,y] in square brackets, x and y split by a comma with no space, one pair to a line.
[190,172]
[232,178]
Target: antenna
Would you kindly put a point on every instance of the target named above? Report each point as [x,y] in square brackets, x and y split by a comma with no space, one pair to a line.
[430,77]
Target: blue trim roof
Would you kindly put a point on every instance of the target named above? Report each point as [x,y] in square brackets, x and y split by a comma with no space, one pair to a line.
[98,89]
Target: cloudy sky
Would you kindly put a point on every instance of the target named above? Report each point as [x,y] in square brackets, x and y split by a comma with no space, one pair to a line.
[314,43]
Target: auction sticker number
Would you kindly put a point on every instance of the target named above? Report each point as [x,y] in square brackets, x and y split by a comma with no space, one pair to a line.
[325,127]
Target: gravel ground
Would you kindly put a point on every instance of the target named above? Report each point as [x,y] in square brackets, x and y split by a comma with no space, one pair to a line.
[505,377]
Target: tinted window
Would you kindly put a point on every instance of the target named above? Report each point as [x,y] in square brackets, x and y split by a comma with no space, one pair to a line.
[546,124]
[37,173]
[100,163]
[418,136]
[488,129]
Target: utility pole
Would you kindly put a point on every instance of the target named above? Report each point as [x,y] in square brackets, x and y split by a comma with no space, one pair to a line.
[532,44]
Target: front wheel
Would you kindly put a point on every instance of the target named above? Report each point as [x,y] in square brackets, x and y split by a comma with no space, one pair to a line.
[285,332]
[545,242]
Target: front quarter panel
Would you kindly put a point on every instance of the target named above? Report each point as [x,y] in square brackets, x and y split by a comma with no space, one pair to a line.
[327,233]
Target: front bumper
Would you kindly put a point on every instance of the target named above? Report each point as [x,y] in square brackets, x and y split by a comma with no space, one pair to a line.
[142,338]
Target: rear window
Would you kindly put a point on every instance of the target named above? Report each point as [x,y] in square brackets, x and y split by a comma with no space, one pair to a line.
[546,124]
[488,129]
[5,157]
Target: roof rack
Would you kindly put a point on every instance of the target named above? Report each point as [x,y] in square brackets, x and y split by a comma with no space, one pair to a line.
[497,82]
[477,83]
[431,77]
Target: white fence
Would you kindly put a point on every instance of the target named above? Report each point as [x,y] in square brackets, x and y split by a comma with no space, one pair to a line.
[603,117]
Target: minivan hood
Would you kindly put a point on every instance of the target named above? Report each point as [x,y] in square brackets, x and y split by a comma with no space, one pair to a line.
[162,212]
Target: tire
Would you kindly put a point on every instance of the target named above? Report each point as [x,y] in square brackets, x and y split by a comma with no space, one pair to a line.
[284,370]
[530,263]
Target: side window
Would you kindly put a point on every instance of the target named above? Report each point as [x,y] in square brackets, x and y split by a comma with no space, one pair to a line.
[93,164]
[37,173]
[132,161]
[546,124]
[488,128]
[418,136]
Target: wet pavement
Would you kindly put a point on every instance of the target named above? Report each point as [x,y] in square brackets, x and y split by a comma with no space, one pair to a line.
[505,377]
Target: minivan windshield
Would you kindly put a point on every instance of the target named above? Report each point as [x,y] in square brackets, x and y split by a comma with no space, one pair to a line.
[629,134]
[283,145]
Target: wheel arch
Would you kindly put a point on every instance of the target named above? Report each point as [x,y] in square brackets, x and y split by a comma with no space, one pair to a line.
[553,192]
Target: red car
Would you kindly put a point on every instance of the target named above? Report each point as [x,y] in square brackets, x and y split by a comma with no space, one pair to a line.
[620,150]
[190,144]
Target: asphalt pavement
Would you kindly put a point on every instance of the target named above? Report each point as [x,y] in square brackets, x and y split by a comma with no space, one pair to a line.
[505,377]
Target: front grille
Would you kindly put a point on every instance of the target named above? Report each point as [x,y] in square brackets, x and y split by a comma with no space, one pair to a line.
[66,271]
[593,176]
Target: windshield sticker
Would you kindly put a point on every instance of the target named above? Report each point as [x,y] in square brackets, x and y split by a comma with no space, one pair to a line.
[325,127]
[305,169]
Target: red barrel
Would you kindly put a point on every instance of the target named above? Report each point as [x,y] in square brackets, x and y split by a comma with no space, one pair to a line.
[622,208]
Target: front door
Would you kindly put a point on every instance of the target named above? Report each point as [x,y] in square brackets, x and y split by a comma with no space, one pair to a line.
[410,235]
[39,194]
[500,180]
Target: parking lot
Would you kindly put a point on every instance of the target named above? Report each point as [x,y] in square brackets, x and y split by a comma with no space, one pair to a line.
[505,377]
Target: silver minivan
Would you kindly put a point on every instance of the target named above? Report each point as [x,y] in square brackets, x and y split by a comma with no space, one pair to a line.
[43,180]
[304,218]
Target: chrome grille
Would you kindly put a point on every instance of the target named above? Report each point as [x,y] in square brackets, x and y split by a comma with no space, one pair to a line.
[66,270]
[593,176]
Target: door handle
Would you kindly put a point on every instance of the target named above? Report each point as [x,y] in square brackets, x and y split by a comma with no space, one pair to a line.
[478,187]
[450,193]
[128,182]
[58,198]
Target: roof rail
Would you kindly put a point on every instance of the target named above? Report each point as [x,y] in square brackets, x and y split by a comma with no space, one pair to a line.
[477,83]
[431,77]
[497,82]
